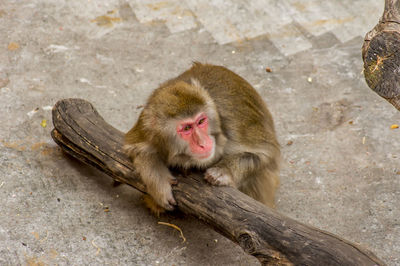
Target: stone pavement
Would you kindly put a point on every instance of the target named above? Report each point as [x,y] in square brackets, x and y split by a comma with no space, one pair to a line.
[341,161]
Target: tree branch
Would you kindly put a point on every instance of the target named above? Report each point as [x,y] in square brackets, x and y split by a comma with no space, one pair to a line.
[381,54]
[259,230]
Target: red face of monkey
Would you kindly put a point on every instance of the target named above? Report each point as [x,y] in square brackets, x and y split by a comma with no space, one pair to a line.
[195,132]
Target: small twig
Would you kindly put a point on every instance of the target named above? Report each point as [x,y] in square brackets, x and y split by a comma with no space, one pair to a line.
[177,228]
[98,249]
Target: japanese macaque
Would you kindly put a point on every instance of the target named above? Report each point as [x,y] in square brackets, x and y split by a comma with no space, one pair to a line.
[206,118]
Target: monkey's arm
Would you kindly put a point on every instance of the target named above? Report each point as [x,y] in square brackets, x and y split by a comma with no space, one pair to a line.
[231,169]
[243,164]
[255,174]
[260,231]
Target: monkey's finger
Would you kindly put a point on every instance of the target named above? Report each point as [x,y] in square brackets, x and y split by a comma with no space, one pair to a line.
[169,207]
[166,203]
[173,181]
[211,179]
[217,178]
[172,201]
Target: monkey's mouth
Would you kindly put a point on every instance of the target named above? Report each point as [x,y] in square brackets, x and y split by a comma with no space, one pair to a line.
[207,155]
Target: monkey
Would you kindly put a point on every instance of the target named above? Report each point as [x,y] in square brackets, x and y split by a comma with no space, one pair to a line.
[211,119]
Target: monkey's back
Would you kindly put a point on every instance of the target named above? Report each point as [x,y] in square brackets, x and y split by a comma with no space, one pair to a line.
[244,115]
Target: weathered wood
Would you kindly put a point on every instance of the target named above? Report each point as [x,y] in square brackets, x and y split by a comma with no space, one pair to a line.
[381,54]
[260,231]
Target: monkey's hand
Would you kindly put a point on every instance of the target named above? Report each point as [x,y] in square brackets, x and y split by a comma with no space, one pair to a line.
[218,176]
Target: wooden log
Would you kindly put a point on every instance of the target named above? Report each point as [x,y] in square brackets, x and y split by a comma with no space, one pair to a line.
[381,54]
[262,232]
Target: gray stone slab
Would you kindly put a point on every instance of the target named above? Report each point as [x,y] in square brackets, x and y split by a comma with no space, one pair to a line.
[239,20]
[177,16]
[362,12]
[340,167]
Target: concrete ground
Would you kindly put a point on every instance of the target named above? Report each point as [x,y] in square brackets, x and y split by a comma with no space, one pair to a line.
[341,161]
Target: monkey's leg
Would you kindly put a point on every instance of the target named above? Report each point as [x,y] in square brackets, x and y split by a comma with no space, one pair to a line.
[262,186]
[157,178]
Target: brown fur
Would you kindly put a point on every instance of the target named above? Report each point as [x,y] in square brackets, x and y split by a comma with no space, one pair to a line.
[247,153]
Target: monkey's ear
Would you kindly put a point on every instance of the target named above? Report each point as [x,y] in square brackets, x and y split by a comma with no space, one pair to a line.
[196,83]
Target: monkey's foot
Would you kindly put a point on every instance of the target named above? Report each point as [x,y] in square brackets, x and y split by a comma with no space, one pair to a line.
[152,205]
[218,176]
[162,194]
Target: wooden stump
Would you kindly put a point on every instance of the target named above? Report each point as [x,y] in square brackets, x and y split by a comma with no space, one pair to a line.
[381,54]
[262,232]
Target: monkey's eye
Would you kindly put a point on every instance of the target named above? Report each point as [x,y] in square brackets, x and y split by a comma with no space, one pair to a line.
[187,128]
[201,121]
